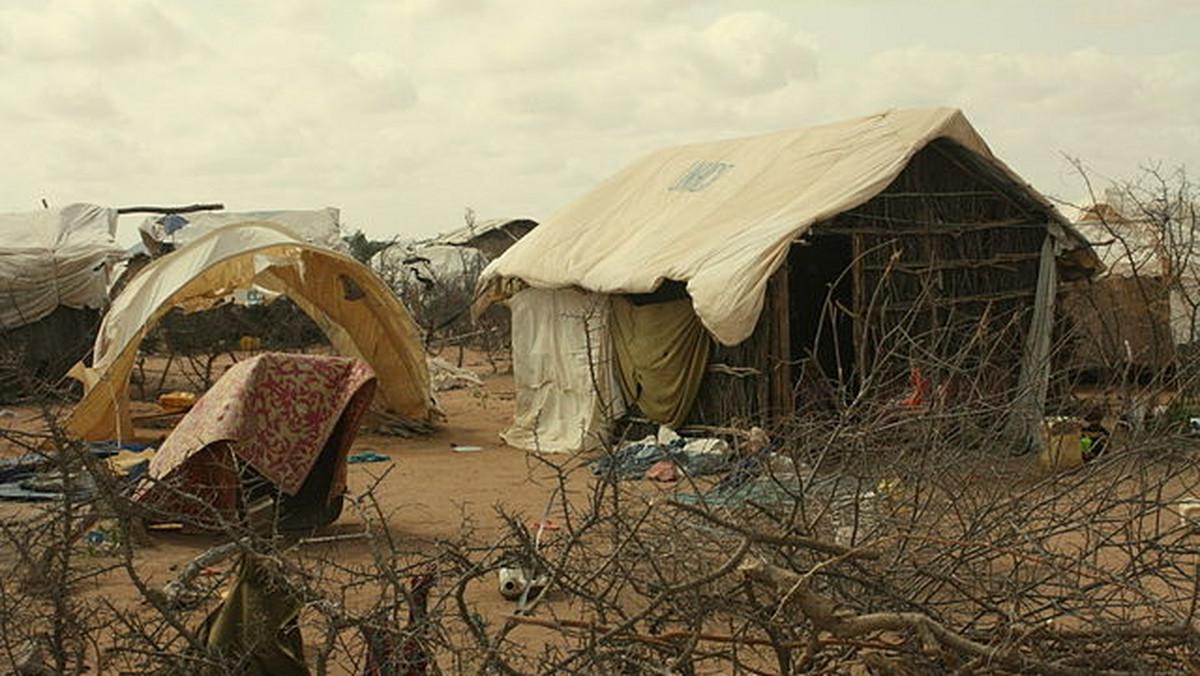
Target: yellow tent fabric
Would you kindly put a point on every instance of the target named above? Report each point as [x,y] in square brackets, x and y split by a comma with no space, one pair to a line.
[355,309]
[256,624]
[662,351]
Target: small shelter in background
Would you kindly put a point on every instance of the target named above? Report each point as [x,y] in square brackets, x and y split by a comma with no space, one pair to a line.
[437,277]
[56,266]
[163,233]
[1132,319]
[734,280]
[456,257]
[358,313]
[491,237]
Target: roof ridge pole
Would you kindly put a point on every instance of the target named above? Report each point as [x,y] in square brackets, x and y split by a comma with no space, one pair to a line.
[190,208]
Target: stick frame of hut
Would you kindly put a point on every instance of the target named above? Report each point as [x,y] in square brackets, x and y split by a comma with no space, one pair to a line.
[948,252]
[705,283]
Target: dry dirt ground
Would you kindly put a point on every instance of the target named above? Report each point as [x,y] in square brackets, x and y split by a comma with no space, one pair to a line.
[428,490]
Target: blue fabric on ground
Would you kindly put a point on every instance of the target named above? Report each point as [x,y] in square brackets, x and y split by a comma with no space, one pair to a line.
[16,473]
[632,461]
[13,491]
[13,468]
[368,456]
[104,449]
[21,490]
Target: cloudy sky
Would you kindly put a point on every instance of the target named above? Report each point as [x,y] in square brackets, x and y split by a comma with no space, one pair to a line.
[403,113]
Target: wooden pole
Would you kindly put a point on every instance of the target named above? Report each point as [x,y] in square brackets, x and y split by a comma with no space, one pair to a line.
[782,402]
[191,208]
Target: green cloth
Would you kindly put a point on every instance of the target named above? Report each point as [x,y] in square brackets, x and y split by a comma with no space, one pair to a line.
[662,353]
[256,624]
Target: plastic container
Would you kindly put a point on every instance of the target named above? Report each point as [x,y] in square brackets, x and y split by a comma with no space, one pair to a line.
[177,401]
[1062,443]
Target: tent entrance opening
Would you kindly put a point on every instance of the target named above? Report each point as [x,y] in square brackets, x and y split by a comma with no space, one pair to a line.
[821,289]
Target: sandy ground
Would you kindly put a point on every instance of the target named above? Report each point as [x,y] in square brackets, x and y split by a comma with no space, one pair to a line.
[428,490]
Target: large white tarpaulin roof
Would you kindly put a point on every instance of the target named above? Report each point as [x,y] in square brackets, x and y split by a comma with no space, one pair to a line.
[721,216]
[55,257]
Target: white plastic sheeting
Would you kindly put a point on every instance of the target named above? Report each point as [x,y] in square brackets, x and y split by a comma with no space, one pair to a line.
[721,216]
[1025,423]
[562,369]
[55,257]
[316,226]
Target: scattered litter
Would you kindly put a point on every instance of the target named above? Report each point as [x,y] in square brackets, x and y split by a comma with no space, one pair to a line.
[1062,446]
[446,376]
[368,456]
[922,389]
[107,449]
[691,457]
[854,516]
[664,471]
[6,413]
[465,449]
[35,477]
[1189,514]
[391,425]
[516,582]
[543,524]
[12,468]
[177,401]
[130,464]
[31,657]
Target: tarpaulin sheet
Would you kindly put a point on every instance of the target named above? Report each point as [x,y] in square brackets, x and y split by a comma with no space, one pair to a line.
[562,370]
[55,257]
[314,226]
[721,216]
[661,354]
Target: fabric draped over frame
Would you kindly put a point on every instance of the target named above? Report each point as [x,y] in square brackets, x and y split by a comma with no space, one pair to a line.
[661,354]
[275,412]
[562,370]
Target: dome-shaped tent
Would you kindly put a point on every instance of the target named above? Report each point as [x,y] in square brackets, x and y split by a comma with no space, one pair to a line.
[356,310]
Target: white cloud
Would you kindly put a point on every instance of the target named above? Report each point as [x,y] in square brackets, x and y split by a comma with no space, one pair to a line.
[404,112]
[753,53]
[1123,12]
[92,32]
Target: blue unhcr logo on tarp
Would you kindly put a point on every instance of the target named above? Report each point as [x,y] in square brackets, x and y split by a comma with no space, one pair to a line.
[700,176]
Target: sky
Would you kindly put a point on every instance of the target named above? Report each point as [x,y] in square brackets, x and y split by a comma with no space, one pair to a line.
[406,113]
